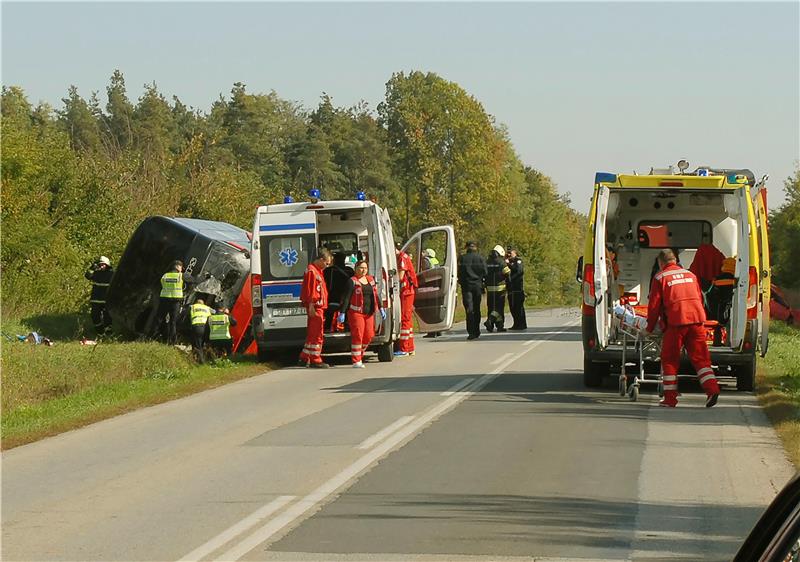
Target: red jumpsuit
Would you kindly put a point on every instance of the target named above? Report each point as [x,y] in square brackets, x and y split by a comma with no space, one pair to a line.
[676,301]
[362,326]
[314,292]
[408,288]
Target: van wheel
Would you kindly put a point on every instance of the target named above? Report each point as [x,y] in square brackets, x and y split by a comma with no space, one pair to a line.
[263,355]
[593,373]
[745,375]
[386,353]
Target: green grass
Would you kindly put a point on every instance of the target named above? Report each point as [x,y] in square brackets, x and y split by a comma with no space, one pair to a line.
[48,390]
[779,386]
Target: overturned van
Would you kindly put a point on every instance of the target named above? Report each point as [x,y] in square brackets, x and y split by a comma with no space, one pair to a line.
[285,240]
[708,212]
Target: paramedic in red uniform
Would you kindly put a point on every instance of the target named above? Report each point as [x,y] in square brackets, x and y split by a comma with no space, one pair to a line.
[314,296]
[408,288]
[361,302]
[676,302]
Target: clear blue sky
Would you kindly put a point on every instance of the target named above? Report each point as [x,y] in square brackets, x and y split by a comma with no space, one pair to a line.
[581,86]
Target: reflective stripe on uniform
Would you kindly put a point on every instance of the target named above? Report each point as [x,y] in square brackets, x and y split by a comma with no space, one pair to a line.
[199,314]
[172,285]
[707,378]
[495,288]
[219,327]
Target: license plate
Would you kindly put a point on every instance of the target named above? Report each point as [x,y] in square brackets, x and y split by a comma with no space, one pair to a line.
[289,311]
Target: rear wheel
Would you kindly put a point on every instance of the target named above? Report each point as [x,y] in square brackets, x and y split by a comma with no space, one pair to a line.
[593,373]
[263,355]
[386,353]
[745,375]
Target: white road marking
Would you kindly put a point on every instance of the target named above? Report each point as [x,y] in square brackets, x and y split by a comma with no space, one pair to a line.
[313,500]
[501,358]
[456,387]
[369,442]
[237,529]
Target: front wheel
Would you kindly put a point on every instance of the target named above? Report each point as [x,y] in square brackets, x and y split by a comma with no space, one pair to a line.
[386,353]
[745,375]
[593,373]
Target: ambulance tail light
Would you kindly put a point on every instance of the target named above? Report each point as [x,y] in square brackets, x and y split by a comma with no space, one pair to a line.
[256,293]
[752,289]
[591,343]
[588,290]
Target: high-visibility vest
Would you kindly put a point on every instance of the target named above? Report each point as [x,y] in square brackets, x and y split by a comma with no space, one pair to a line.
[172,285]
[433,261]
[199,314]
[219,324]
[357,299]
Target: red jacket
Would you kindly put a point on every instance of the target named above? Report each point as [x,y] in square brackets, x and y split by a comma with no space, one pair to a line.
[675,296]
[357,298]
[314,290]
[409,282]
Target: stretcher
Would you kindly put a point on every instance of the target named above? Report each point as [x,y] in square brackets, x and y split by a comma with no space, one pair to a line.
[643,346]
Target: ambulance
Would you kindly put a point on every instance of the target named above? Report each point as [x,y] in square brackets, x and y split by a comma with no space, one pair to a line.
[633,217]
[285,240]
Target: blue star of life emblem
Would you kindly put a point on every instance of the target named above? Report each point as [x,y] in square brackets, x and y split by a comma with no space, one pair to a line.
[288,257]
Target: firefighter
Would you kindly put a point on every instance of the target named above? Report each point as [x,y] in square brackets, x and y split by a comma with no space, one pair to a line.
[360,303]
[408,288]
[497,272]
[516,292]
[198,315]
[314,296]
[100,274]
[219,331]
[170,302]
[676,302]
[471,275]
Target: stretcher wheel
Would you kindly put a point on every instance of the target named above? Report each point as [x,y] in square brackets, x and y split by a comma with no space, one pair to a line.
[634,394]
[623,385]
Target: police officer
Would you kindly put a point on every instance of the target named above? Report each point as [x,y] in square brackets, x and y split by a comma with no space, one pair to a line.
[675,301]
[199,314]
[497,272]
[219,331]
[170,301]
[471,275]
[100,274]
[516,293]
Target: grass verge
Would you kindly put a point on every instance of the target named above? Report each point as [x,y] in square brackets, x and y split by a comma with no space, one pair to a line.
[779,386]
[49,390]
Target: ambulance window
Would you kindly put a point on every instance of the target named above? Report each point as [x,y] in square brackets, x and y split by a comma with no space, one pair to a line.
[436,241]
[286,257]
[342,242]
[674,234]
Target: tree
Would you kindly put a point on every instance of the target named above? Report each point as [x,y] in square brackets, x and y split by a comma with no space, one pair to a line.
[79,120]
[784,231]
[120,112]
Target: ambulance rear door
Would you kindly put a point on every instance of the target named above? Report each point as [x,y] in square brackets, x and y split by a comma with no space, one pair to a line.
[392,281]
[381,260]
[739,305]
[765,279]
[602,311]
[435,301]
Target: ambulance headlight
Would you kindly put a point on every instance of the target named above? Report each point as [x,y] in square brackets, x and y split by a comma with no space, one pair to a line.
[361,196]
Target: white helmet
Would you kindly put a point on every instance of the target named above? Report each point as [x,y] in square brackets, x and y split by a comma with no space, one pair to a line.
[499,249]
[430,253]
[104,260]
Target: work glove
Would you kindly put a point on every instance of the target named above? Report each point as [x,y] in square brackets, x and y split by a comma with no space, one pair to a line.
[383,314]
[341,318]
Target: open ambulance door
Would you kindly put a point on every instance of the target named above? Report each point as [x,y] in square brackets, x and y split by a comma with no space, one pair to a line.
[739,305]
[602,311]
[435,301]
[392,281]
[382,262]
[765,279]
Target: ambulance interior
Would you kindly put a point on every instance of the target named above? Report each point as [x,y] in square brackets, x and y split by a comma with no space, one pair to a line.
[642,223]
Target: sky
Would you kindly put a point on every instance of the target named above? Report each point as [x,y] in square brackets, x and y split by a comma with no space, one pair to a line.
[581,87]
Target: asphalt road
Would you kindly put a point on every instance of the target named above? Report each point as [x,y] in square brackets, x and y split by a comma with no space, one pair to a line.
[483,450]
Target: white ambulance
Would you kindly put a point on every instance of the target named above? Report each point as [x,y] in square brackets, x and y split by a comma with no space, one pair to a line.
[285,238]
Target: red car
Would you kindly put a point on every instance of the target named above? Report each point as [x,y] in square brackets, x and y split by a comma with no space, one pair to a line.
[780,309]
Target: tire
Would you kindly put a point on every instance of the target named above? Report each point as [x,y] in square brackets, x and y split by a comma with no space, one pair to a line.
[623,385]
[386,353]
[263,355]
[593,373]
[745,375]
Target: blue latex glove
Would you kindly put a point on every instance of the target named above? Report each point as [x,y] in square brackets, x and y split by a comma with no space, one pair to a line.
[383,314]
[341,318]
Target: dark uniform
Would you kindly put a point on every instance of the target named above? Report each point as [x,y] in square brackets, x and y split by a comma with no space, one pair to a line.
[471,275]
[497,272]
[170,302]
[516,294]
[100,275]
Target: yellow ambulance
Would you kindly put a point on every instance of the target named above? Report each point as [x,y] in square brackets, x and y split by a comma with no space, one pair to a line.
[633,217]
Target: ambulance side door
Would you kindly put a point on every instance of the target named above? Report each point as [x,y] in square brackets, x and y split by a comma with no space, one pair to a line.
[435,300]
[765,278]
[602,312]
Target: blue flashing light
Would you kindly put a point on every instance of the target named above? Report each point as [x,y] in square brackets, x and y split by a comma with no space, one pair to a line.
[702,172]
[288,199]
[315,193]
[605,177]
[361,196]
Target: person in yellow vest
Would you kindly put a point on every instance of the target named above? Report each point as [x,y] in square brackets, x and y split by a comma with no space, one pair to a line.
[219,332]
[199,314]
[170,302]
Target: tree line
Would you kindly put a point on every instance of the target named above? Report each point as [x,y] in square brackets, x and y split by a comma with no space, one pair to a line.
[77,180]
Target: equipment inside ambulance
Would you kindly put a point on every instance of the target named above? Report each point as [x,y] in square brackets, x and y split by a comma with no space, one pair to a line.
[715,221]
[284,243]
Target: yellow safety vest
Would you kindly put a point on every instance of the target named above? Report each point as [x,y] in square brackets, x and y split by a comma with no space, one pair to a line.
[172,285]
[199,314]
[219,324]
